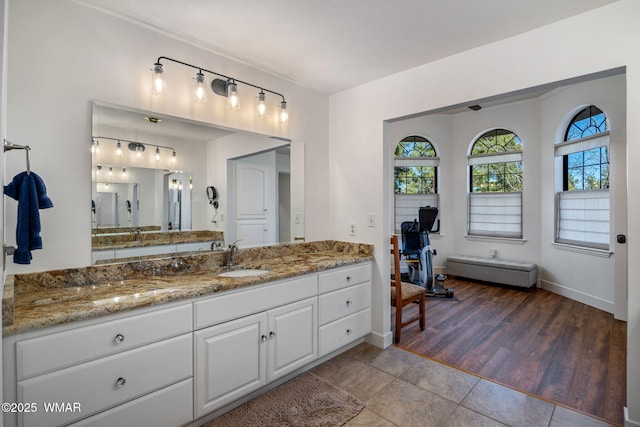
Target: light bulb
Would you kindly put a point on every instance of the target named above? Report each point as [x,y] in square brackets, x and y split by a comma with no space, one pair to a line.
[95,146]
[232,95]
[173,157]
[110,171]
[138,152]
[158,82]
[261,111]
[119,149]
[284,115]
[124,172]
[157,153]
[199,92]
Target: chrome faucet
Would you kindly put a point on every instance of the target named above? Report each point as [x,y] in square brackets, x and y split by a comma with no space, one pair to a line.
[232,251]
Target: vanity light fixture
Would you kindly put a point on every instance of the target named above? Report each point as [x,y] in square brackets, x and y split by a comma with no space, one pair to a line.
[119,149]
[135,146]
[199,89]
[158,82]
[124,172]
[261,108]
[95,145]
[224,86]
[110,171]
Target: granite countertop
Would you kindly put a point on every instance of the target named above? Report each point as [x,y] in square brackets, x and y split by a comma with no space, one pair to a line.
[135,240]
[38,300]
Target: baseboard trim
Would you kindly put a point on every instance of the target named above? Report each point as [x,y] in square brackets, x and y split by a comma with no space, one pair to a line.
[582,297]
[627,421]
[380,340]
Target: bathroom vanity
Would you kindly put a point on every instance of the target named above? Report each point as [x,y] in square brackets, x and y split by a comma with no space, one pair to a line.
[176,341]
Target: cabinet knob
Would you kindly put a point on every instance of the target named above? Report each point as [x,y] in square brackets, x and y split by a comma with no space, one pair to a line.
[348,278]
[118,339]
[264,338]
[349,331]
[272,334]
[348,303]
[120,382]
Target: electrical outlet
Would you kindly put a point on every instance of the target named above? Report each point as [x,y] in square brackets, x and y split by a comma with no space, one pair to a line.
[352,229]
[371,220]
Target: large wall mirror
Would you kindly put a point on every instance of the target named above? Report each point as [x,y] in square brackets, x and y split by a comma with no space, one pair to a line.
[154,173]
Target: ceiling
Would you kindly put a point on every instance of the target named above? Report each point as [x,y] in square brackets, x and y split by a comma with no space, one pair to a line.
[332,45]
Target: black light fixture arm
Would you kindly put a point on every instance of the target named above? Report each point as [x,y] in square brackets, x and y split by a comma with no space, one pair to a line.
[219,75]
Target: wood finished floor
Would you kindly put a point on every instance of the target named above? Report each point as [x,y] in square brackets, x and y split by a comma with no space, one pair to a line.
[532,340]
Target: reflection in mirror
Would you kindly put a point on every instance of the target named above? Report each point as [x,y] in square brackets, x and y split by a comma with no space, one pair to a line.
[151,174]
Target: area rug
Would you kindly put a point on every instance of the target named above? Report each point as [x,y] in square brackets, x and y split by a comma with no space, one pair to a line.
[306,400]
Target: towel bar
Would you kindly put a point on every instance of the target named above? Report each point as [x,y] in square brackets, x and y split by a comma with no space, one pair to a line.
[8,146]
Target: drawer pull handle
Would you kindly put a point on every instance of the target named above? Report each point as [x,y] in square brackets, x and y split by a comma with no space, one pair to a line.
[348,303]
[264,338]
[120,382]
[349,331]
[272,334]
[119,339]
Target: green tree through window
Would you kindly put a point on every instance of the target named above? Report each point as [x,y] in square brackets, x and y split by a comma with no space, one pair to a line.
[416,178]
[588,169]
[494,170]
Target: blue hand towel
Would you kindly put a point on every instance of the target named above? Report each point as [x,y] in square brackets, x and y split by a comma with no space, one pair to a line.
[30,192]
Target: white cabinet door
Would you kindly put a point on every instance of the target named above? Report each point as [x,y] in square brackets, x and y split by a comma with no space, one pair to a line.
[230,361]
[292,337]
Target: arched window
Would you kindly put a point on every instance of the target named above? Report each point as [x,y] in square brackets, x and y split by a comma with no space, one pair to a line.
[583,204]
[415,178]
[495,185]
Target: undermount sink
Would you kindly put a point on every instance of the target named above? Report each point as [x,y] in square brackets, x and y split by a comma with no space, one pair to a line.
[244,273]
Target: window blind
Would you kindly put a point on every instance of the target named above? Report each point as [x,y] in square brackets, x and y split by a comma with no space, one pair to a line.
[583,218]
[407,206]
[495,214]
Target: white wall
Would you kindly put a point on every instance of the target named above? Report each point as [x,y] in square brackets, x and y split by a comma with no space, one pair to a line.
[89,56]
[359,135]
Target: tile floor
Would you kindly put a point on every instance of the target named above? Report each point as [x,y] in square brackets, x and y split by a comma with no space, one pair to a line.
[399,388]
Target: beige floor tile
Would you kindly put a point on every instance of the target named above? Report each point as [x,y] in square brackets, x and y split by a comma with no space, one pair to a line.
[367,418]
[353,376]
[464,417]
[508,406]
[440,379]
[407,405]
[392,360]
[563,417]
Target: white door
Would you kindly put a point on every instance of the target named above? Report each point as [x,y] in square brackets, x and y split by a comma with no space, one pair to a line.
[255,213]
[293,337]
[230,362]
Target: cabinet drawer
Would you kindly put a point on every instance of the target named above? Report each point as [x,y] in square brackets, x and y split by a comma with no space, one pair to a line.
[168,407]
[341,277]
[218,309]
[48,353]
[106,382]
[341,332]
[344,302]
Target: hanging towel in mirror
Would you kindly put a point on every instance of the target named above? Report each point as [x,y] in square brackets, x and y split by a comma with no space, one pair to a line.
[30,192]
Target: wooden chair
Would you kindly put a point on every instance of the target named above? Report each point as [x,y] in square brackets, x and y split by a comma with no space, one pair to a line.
[403,294]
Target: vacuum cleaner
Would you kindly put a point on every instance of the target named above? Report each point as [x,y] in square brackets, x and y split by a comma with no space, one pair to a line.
[419,254]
